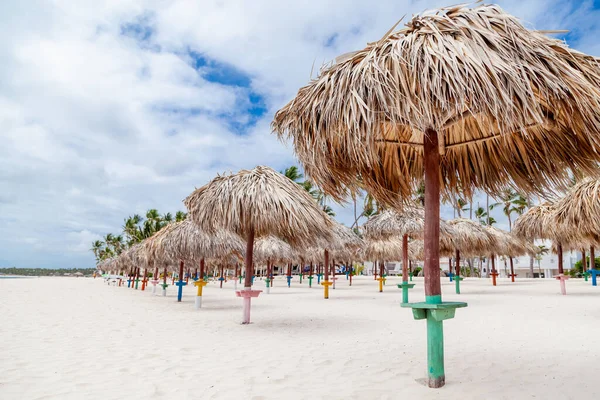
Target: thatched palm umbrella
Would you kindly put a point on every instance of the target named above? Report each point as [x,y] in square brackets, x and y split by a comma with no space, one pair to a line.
[579,211]
[409,223]
[340,243]
[255,203]
[344,245]
[381,250]
[470,238]
[540,222]
[270,249]
[185,242]
[132,258]
[467,97]
[501,239]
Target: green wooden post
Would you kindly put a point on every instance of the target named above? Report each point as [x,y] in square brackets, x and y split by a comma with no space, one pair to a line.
[457,279]
[435,346]
[405,286]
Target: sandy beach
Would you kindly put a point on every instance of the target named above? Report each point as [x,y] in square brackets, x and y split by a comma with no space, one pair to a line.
[68,338]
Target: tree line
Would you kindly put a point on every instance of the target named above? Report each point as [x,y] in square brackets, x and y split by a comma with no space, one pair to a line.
[135,229]
[45,271]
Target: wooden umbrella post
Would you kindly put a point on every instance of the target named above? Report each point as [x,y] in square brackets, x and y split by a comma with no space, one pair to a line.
[405,285]
[289,275]
[593,271]
[268,279]
[200,283]
[351,267]
[310,275]
[450,274]
[333,277]
[326,282]
[248,293]
[137,277]
[319,273]
[433,310]
[221,276]
[494,273]
[457,277]
[154,280]
[130,279]
[164,284]
[512,270]
[381,278]
[585,274]
[145,279]
[180,283]
[561,277]
[374,270]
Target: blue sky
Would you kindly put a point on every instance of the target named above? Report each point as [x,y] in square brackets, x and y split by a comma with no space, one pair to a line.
[109,108]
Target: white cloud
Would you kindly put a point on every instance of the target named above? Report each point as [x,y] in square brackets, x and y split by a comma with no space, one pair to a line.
[96,125]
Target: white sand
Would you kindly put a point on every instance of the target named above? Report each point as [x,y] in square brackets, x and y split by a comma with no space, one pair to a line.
[68,338]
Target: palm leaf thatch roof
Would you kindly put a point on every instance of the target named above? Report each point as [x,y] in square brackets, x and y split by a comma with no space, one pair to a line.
[410,221]
[342,244]
[539,222]
[471,237]
[270,248]
[383,249]
[416,250]
[134,256]
[390,222]
[185,241]
[579,210]
[508,244]
[511,107]
[259,200]
[227,260]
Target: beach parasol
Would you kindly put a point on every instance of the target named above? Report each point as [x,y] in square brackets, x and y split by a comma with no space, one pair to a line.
[407,223]
[470,238]
[504,244]
[539,222]
[467,98]
[269,249]
[185,242]
[579,211]
[380,250]
[255,203]
[341,243]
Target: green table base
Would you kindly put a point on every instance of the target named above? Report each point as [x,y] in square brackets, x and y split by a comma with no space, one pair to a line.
[435,312]
[410,276]
[405,286]
[457,280]
[586,275]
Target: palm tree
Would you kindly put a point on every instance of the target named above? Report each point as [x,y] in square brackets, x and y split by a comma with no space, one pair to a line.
[541,251]
[168,217]
[460,206]
[483,217]
[511,202]
[180,216]
[294,174]
[97,246]
[132,230]
[117,244]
